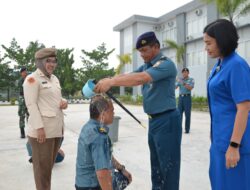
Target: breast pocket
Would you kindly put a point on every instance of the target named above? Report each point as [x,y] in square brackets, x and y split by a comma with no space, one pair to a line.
[46,113]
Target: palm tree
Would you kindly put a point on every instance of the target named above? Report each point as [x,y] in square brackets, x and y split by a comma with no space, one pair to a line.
[124,59]
[180,50]
[230,8]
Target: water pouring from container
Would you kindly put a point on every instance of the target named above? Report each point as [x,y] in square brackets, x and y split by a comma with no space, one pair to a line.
[88,91]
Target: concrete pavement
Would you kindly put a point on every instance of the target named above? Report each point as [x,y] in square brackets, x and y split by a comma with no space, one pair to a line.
[131,150]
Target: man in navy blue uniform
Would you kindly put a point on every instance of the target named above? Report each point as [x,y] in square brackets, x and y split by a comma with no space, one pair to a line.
[157,76]
[95,164]
[185,84]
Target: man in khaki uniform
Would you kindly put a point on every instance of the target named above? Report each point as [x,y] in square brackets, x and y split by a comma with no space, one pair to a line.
[42,93]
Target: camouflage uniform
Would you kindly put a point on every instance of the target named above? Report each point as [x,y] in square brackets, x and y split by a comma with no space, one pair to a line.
[22,109]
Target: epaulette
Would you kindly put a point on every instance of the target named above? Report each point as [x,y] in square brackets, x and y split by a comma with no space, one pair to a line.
[163,58]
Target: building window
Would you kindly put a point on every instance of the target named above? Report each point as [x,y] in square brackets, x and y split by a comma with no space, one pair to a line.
[169,34]
[196,20]
[196,55]
[196,26]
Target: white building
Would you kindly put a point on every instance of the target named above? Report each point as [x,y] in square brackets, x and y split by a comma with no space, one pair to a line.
[183,25]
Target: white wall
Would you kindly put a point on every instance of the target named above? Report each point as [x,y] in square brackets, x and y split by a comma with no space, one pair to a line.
[244,43]
[168,32]
[197,64]
[196,20]
[128,47]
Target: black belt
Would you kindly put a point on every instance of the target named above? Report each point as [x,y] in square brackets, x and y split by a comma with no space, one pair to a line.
[159,114]
[182,95]
[88,188]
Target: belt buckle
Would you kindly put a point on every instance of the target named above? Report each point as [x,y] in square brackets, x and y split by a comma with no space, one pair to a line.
[182,95]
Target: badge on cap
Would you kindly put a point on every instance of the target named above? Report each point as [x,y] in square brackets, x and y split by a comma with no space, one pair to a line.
[143,42]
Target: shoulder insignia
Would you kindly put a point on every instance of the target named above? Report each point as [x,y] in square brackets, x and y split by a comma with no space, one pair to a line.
[31,80]
[162,59]
[157,63]
[102,130]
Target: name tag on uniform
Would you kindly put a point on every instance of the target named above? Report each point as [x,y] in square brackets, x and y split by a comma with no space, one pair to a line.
[44,82]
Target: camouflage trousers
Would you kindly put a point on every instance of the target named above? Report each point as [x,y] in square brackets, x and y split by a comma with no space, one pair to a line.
[22,112]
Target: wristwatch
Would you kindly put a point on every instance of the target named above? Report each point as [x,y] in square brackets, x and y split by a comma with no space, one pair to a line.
[234,144]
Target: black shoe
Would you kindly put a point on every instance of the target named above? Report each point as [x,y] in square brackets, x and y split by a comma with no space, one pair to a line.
[30,160]
[186,132]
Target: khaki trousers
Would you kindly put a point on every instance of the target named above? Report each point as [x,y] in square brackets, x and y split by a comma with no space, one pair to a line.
[43,157]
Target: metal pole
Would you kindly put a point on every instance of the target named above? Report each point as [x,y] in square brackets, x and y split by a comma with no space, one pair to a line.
[110,95]
[123,107]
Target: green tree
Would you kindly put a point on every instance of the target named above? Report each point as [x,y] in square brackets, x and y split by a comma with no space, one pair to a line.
[8,77]
[124,59]
[231,8]
[65,71]
[22,57]
[95,65]
[180,50]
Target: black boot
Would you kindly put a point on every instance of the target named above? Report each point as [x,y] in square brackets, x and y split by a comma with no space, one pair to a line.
[22,133]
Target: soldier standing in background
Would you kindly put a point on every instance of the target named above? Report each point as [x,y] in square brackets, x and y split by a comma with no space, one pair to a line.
[185,84]
[22,109]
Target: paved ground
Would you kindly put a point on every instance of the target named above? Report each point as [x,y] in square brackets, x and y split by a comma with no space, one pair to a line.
[131,150]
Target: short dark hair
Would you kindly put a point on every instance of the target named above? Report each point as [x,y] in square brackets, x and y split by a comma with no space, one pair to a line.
[225,34]
[185,69]
[23,69]
[98,104]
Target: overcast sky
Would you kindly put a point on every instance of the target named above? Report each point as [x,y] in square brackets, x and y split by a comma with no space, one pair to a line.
[78,24]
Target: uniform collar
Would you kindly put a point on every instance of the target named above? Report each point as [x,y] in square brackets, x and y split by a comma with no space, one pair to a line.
[225,59]
[185,78]
[41,74]
[100,127]
[220,64]
[156,58]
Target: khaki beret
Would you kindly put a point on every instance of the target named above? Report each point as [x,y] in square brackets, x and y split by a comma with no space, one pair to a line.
[45,52]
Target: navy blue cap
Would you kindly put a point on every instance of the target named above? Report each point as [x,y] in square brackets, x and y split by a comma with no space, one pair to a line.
[185,69]
[146,39]
[23,69]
